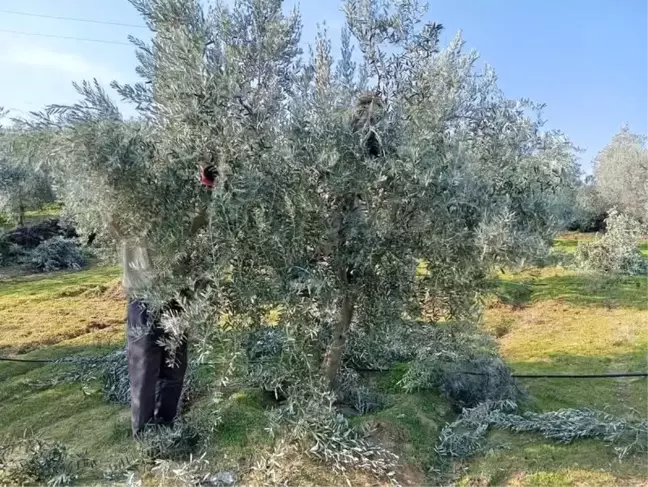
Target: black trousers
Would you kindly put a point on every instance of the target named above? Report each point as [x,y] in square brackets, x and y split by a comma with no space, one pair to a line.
[155,385]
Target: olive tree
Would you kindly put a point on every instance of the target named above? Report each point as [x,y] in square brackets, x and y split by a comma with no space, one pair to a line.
[337,178]
[621,173]
[24,182]
[588,209]
[332,174]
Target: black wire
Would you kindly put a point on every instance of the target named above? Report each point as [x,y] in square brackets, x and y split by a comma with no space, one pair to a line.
[6,359]
[518,376]
[67,361]
[570,376]
[74,19]
[65,37]
[582,376]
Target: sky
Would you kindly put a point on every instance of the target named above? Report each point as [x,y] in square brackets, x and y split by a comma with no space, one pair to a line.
[586,59]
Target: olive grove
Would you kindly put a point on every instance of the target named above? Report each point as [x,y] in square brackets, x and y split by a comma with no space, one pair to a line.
[338,178]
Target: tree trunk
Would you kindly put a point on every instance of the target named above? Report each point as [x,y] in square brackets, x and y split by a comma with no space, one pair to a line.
[333,357]
[21,215]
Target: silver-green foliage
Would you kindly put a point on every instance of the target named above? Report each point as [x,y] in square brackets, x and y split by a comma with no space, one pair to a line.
[195,472]
[460,181]
[310,419]
[436,164]
[466,435]
[616,251]
[56,254]
[589,208]
[32,460]
[462,364]
[621,173]
[25,184]
[10,253]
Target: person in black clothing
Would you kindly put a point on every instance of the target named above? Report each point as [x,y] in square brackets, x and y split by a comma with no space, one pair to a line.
[156,380]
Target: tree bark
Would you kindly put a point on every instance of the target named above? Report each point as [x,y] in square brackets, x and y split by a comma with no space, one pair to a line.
[333,357]
[21,215]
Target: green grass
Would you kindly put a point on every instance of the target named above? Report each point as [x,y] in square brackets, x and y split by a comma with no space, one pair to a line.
[37,311]
[559,322]
[49,317]
[547,320]
[65,413]
[47,211]
[410,423]
[42,314]
[565,245]
[524,459]
[574,323]
[49,286]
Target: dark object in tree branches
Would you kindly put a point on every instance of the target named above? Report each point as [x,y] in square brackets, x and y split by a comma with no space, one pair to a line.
[368,111]
[208,175]
[91,239]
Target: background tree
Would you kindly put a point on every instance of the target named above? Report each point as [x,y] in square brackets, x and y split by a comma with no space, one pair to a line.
[587,209]
[25,183]
[621,173]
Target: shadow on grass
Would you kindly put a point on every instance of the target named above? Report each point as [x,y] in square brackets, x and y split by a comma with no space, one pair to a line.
[516,294]
[33,401]
[582,289]
[593,290]
[51,283]
[76,413]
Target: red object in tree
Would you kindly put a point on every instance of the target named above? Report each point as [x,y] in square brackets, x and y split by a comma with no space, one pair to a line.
[208,176]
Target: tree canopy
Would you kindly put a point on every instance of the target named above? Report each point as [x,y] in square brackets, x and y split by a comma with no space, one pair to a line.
[345,173]
[25,183]
[338,176]
[621,173]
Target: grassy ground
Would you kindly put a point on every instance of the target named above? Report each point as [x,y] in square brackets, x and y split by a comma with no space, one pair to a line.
[545,320]
[54,316]
[556,321]
[82,313]
[71,308]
